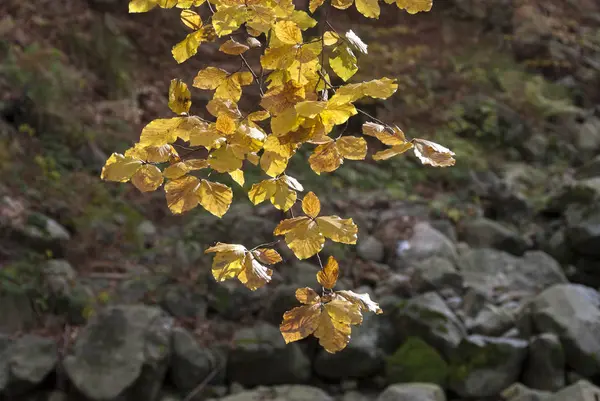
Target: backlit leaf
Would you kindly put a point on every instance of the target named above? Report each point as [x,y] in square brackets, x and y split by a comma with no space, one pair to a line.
[368,8]
[180,98]
[191,19]
[182,194]
[352,147]
[228,19]
[141,6]
[120,168]
[148,178]
[238,177]
[393,151]
[189,46]
[338,229]
[414,6]
[210,78]
[234,48]
[288,32]
[363,300]
[433,154]
[300,322]
[311,205]
[344,62]
[342,4]
[267,256]
[314,4]
[215,197]
[329,275]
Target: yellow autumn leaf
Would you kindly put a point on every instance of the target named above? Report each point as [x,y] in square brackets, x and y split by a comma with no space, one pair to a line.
[288,32]
[328,276]
[210,78]
[352,147]
[302,236]
[262,191]
[338,229]
[344,62]
[148,178]
[267,256]
[188,47]
[302,19]
[260,115]
[234,48]
[225,124]
[180,98]
[191,19]
[433,154]
[325,158]
[310,108]
[333,335]
[311,205]
[238,177]
[224,160]
[182,194]
[141,6]
[362,300]
[153,154]
[376,88]
[120,168]
[235,261]
[231,87]
[368,8]
[229,19]
[414,6]
[330,38]
[302,321]
[314,4]
[215,197]
[393,151]
[342,4]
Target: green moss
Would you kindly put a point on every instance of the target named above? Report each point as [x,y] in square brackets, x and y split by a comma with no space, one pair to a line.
[416,361]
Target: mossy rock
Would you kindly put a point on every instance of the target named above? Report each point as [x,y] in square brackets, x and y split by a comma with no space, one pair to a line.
[416,361]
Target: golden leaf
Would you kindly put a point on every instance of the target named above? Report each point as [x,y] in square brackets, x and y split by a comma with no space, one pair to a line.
[338,229]
[300,322]
[368,8]
[288,32]
[393,151]
[352,147]
[225,124]
[333,336]
[303,20]
[329,275]
[302,236]
[234,48]
[161,131]
[363,300]
[215,197]
[325,158]
[267,256]
[311,205]
[330,38]
[224,160]
[148,178]
[141,6]
[342,4]
[284,197]
[210,78]
[307,296]
[433,154]
[314,4]
[189,46]
[228,19]
[414,6]
[262,191]
[182,194]
[191,19]
[259,115]
[120,168]
[238,177]
[235,261]
[180,98]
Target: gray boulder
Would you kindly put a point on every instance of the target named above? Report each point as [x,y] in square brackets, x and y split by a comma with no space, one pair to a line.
[43,233]
[360,359]
[123,351]
[490,271]
[572,312]
[370,248]
[17,312]
[492,321]
[413,392]
[261,357]
[583,232]
[579,391]
[426,242]
[545,368]
[484,366]
[428,317]
[191,363]
[486,233]
[435,273]
[519,392]
[280,393]
[25,363]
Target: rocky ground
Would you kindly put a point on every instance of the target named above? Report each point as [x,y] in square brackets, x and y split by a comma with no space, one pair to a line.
[488,273]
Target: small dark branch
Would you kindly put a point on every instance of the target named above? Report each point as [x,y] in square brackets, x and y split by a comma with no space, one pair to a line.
[202,384]
[256,78]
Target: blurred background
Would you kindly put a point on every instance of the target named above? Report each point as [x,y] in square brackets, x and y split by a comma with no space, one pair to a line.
[487,272]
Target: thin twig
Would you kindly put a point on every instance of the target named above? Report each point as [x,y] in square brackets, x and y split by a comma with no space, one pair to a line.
[253,74]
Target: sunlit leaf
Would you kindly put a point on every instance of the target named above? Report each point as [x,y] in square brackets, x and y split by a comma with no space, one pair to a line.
[344,62]
[215,197]
[141,6]
[234,48]
[433,154]
[182,194]
[267,256]
[238,177]
[120,168]
[311,205]
[180,98]
[288,32]
[210,78]
[148,178]
[189,46]
[191,19]
[338,229]
[329,275]
[368,8]
[414,6]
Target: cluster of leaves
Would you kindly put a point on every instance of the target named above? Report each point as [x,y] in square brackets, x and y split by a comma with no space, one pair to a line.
[299,107]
